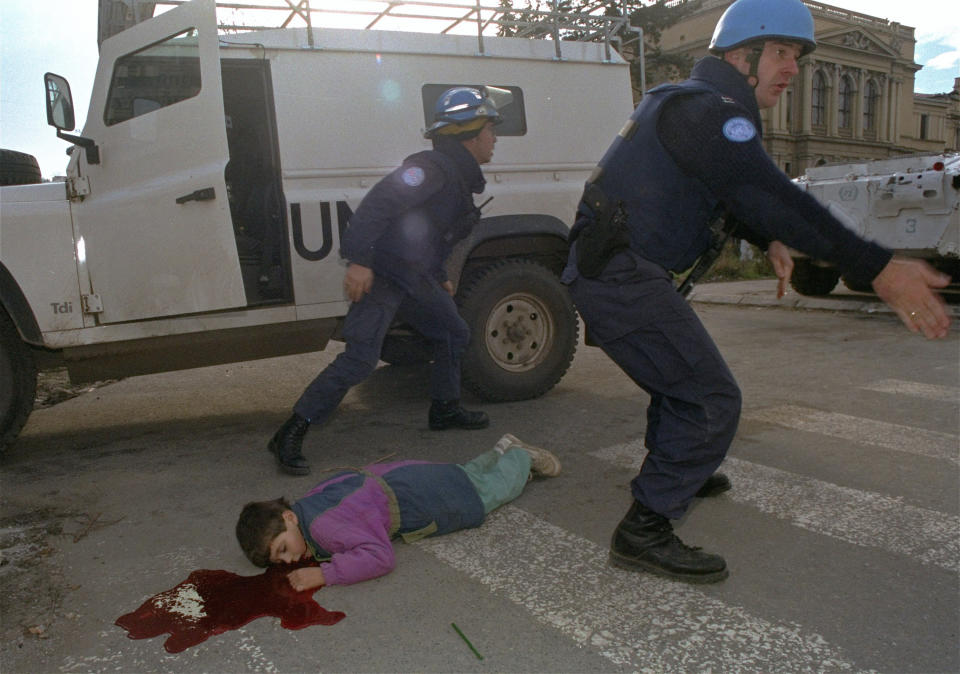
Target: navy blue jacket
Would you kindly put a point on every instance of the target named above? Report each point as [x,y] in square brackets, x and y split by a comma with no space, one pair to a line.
[696,149]
[408,222]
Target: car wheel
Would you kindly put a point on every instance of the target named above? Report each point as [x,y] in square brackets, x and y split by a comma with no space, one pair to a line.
[811,279]
[18,168]
[523,330]
[18,382]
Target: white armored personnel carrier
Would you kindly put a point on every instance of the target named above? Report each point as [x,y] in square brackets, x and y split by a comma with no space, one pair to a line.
[909,204]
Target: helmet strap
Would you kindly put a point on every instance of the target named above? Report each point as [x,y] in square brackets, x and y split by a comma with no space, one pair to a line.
[754,52]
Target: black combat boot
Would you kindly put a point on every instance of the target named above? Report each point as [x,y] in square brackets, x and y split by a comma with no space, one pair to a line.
[644,540]
[715,485]
[448,414]
[285,445]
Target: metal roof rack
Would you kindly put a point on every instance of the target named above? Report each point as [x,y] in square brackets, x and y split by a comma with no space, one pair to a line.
[588,24]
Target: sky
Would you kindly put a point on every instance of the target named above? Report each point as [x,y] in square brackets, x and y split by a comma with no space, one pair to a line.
[60,36]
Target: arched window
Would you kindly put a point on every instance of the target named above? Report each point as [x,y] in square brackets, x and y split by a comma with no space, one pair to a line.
[871,101]
[845,103]
[819,99]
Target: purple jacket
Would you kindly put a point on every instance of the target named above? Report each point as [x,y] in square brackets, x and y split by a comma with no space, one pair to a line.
[349,520]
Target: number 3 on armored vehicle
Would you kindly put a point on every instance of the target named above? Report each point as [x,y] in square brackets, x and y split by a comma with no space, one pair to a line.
[200,218]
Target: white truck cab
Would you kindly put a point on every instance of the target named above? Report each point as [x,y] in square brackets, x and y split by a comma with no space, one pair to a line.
[205,197]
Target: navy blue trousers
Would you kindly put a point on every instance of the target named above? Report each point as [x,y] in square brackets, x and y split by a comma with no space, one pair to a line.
[644,325]
[424,305]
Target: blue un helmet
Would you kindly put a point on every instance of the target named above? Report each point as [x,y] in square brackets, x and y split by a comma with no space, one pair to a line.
[464,110]
[751,20]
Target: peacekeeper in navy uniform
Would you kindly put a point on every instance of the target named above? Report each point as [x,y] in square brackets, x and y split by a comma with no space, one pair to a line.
[396,245]
[689,152]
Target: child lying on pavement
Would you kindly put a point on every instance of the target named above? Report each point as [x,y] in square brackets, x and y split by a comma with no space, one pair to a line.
[347,522]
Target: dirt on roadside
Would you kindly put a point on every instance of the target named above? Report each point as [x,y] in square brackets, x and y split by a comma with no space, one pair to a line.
[31,571]
[33,543]
[53,386]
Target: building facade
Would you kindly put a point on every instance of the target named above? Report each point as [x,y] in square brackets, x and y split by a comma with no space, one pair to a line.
[853,99]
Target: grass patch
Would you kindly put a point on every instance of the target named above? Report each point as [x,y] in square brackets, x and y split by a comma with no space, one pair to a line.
[732,266]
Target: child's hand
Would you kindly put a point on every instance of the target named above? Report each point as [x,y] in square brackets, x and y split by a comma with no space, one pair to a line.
[306,579]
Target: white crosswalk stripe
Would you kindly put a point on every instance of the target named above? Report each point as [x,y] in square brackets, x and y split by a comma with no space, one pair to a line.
[862,518]
[633,619]
[650,624]
[948,394]
[863,431]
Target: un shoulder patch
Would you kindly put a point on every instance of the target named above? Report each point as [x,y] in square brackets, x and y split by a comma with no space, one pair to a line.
[739,129]
[413,176]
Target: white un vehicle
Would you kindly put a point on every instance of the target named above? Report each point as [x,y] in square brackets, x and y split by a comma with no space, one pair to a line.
[201,214]
[908,204]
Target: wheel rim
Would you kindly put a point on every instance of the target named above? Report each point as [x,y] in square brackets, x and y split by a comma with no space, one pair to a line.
[519,332]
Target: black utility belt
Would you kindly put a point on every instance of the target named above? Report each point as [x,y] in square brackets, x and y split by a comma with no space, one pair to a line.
[600,240]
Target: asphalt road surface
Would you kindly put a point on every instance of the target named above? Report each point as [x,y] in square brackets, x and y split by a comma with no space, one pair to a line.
[842,531]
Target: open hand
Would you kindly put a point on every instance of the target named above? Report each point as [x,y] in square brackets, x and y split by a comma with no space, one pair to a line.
[907,286]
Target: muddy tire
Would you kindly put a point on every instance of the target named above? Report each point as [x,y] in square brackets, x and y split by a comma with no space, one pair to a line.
[858,286]
[18,168]
[18,382]
[523,330]
[811,279]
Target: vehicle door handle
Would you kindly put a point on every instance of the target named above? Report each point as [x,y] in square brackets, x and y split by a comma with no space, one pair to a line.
[206,194]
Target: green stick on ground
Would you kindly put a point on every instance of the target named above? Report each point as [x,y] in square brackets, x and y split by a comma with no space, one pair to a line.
[464,637]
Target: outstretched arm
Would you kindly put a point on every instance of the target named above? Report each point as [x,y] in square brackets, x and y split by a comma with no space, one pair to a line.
[743,177]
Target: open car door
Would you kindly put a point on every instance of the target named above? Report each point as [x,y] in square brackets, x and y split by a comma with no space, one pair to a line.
[155,228]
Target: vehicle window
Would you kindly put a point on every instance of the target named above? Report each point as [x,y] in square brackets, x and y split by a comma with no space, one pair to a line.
[514,116]
[154,77]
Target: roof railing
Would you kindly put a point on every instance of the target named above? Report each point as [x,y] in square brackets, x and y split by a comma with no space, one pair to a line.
[544,21]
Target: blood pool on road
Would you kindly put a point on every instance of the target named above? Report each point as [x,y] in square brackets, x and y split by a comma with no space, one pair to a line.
[212,602]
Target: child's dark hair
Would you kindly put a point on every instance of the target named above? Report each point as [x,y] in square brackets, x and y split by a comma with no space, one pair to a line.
[260,522]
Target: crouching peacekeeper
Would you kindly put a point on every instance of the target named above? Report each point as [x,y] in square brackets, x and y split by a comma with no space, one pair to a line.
[396,245]
[690,153]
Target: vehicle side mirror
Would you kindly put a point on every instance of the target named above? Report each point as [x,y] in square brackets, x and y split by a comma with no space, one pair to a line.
[59,103]
[60,115]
